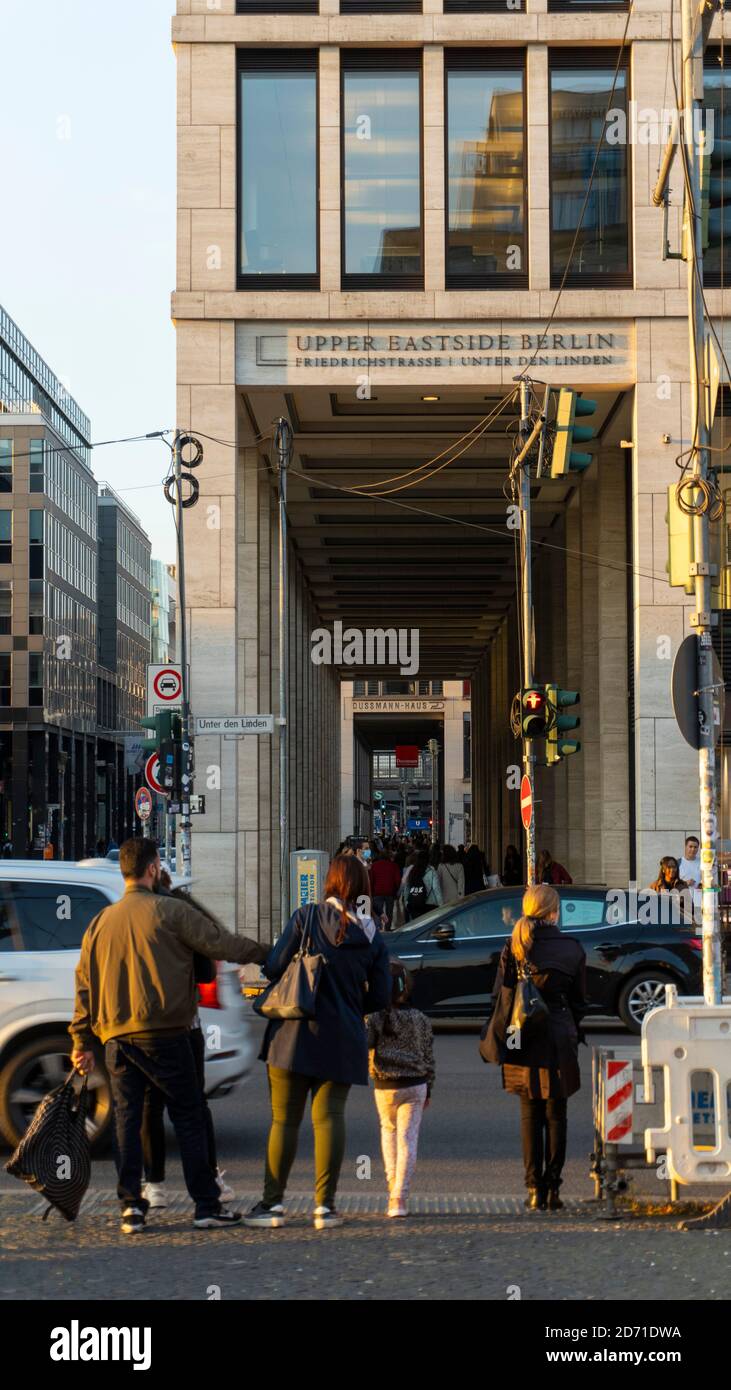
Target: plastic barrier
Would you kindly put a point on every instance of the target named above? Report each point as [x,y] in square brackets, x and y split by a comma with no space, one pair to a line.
[691,1041]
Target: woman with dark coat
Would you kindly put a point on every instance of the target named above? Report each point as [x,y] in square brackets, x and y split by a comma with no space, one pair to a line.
[475,878]
[322,1057]
[544,1072]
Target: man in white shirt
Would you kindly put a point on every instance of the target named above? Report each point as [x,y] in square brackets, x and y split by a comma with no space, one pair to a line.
[690,870]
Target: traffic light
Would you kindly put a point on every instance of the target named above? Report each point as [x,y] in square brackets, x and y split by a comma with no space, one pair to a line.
[564,459]
[557,747]
[534,711]
[171,757]
[681,546]
[161,723]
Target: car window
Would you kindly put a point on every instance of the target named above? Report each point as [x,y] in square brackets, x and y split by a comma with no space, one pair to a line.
[53,916]
[582,910]
[488,917]
[9,940]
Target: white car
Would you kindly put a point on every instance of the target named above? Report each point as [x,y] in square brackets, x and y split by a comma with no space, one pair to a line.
[45,908]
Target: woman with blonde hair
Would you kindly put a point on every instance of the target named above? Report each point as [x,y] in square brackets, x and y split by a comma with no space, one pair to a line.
[543,1067]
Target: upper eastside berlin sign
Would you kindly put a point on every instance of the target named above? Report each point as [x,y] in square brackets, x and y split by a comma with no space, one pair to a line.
[429,351]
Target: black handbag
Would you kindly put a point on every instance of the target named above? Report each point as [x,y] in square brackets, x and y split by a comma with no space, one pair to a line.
[294,995]
[54,1155]
[530,1016]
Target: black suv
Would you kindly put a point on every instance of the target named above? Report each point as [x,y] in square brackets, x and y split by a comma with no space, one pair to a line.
[633,950]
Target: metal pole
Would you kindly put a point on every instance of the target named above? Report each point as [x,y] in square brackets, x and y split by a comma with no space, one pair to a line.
[434,750]
[692,47]
[186,836]
[283,444]
[527,618]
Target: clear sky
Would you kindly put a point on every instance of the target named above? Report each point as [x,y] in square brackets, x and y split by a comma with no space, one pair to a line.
[87,220]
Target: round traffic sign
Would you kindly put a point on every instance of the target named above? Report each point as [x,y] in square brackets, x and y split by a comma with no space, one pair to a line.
[526,802]
[152,774]
[168,685]
[143,803]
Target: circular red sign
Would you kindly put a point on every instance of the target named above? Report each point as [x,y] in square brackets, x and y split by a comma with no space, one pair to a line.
[143,803]
[167,684]
[526,802]
[152,774]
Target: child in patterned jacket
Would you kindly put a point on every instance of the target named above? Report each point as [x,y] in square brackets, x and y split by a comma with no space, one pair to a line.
[401,1063]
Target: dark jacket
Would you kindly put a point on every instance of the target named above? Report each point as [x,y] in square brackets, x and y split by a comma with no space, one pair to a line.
[355,981]
[547,1066]
[135,972]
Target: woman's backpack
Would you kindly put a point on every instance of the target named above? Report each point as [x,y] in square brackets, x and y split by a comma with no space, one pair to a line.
[416,896]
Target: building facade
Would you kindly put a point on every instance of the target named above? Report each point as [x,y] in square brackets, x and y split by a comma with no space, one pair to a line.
[386,214]
[60,780]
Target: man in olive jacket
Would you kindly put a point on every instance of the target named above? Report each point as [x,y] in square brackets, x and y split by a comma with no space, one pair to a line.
[136,993]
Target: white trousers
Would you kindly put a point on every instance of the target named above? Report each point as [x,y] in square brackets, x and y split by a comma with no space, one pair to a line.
[400,1113]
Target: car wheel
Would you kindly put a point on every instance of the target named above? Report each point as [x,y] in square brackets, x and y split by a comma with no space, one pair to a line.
[640,994]
[36,1069]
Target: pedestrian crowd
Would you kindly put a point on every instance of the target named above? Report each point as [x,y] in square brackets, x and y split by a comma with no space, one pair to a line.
[143,957]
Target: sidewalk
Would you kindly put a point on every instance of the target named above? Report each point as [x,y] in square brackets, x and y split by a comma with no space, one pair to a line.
[468,1252]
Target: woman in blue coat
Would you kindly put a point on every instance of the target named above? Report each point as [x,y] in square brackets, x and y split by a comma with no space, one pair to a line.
[322,1057]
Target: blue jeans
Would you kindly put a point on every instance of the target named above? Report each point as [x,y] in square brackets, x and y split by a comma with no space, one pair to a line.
[135,1061]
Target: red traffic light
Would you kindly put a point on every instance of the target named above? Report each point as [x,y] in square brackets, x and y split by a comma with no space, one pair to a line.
[534,700]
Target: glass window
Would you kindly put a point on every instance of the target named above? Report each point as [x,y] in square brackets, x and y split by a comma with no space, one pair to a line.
[492,917]
[54,916]
[486,242]
[582,910]
[581,98]
[35,527]
[6,606]
[717,251]
[381,174]
[35,479]
[6,667]
[278,174]
[6,465]
[35,678]
[6,537]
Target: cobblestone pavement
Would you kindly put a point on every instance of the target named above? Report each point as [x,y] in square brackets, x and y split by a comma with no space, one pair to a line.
[473,1256]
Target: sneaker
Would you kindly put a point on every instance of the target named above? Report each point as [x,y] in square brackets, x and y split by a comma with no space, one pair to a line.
[217,1219]
[227,1193]
[262,1215]
[133,1221]
[155,1194]
[326,1218]
[397,1209]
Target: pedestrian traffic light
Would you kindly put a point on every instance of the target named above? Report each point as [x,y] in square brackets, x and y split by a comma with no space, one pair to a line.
[534,711]
[564,458]
[161,723]
[557,747]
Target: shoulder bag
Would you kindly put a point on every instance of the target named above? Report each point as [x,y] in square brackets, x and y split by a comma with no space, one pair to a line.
[530,1011]
[294,995]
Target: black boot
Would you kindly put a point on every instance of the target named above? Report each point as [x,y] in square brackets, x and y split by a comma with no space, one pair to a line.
[536,1199]
[554,1202]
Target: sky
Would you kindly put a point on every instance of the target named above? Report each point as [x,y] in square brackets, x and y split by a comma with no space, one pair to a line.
[87,221]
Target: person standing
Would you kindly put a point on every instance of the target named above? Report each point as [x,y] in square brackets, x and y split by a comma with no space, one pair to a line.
[689,869]
[475,877]
[401,1064]
[385,879]
[321,1058]
[135,992]
[451,876]
[420,887]
[512,868]
[544,1070]
[548,870]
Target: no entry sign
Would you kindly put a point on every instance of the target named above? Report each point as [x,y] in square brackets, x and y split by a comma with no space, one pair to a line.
[526,802]
[143,803]
[152,774]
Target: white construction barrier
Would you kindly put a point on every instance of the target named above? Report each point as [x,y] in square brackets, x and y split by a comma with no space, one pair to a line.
[691,1041]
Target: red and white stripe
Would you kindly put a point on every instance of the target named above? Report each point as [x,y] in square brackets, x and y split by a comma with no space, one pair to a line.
[618,1103]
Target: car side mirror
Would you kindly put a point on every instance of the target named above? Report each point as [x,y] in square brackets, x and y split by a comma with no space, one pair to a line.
[444,933]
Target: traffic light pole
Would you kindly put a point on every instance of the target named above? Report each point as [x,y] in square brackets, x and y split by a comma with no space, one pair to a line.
[186,836]
[526,594]
[701,620]
[283,445]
